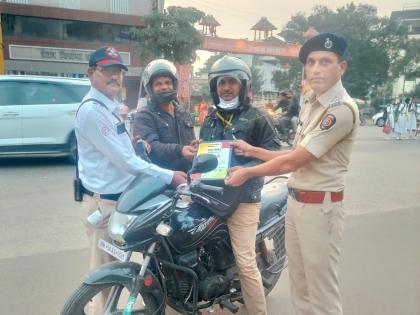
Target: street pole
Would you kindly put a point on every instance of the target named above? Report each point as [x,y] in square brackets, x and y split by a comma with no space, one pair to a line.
[1,50]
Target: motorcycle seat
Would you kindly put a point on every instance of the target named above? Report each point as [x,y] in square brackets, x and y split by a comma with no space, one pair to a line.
[273,199]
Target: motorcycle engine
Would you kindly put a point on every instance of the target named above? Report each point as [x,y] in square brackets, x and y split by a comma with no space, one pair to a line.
[213,286]
[212,283]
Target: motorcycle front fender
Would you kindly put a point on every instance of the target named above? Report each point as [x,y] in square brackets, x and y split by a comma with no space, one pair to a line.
[124,273]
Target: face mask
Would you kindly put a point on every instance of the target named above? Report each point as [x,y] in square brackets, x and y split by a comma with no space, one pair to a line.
[229,105]
[163,98]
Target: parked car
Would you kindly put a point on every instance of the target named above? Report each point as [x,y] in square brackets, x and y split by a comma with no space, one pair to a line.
[37,115]
[378,119]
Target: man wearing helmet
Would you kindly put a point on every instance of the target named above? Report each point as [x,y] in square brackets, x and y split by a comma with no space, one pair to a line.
[235,118]
[163,122]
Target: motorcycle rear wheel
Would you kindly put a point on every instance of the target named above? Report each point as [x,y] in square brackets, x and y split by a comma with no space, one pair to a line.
[78,303]
[271,258]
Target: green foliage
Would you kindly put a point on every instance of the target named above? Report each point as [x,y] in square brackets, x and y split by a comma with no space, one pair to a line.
[281,80]
[415,92]
[408,64]
[170,35]
[205,93]
[374,42]
[202,92]
[257,80]
[212,59]
[290,77]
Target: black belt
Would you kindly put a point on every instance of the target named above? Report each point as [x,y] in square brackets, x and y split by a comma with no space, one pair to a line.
[113,197]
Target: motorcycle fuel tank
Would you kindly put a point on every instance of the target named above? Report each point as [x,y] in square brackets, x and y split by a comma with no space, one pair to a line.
[195,226]
[141,190]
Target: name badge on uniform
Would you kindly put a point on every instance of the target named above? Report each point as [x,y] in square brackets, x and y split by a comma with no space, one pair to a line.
[121,128]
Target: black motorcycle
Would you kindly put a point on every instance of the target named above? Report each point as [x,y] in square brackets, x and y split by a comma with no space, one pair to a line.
[188,262]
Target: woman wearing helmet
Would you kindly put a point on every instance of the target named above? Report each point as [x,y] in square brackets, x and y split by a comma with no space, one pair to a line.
[235,118]
[163,122]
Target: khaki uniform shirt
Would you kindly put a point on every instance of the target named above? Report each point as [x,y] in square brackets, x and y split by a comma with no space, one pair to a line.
[327,129]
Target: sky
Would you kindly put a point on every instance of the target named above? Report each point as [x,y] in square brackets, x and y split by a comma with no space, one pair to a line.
[238,16]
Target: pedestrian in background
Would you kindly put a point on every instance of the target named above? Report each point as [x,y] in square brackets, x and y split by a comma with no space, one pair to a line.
[389,115]
[203,109]
[411,119]
[123,111]
[401,121]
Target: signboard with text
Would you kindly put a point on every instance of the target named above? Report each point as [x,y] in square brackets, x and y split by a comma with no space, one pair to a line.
[242,46]
[55,54]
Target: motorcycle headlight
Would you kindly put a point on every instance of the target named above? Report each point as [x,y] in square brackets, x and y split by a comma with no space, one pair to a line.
[118,224]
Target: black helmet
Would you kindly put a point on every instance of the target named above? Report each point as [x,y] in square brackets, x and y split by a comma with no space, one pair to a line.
[157,68]
[232,67]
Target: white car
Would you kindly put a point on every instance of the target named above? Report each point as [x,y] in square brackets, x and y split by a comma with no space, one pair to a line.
[378,119]
[37,115]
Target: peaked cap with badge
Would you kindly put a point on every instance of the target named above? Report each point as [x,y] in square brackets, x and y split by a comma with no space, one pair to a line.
[333,42]
[105,57]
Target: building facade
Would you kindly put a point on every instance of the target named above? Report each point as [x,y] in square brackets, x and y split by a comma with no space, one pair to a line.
[409,17]
[56,37]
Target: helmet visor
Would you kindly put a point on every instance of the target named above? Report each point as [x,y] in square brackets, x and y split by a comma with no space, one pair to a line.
[236,74]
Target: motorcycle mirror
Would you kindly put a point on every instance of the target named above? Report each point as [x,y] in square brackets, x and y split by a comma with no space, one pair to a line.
[204,163]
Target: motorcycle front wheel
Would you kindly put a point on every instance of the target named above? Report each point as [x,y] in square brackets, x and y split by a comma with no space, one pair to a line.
[80,301]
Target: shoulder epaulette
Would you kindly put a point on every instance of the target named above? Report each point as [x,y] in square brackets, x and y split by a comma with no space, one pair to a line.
[352,110]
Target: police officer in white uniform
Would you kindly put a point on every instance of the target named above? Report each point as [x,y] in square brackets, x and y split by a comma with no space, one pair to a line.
[107,161]
[318,160]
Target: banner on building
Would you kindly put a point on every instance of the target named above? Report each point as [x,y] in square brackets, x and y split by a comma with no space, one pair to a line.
[242,46]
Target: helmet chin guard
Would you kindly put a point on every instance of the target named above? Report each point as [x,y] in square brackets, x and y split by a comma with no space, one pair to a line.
[163,98]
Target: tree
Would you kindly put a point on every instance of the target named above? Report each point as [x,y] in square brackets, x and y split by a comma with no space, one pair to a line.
[209,62]
[281,80]
[408,62]
[373,42]
[415,92]
[205,93]
[170,35]
[288,78]
[257,80]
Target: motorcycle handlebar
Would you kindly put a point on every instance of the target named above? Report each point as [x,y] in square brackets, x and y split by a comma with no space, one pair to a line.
[211,188]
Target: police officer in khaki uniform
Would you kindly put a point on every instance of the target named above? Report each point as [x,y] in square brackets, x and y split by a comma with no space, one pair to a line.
[318,160]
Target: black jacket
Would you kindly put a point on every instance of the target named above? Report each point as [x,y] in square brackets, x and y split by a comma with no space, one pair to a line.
[251,125]
[166,135]
[292,109]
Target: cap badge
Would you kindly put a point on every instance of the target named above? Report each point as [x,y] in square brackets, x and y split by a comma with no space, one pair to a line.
[110,51]
[328,43]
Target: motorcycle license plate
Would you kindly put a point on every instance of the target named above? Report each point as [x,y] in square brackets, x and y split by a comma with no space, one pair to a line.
[112,250]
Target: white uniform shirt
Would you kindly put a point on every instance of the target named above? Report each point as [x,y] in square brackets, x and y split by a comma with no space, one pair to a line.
[107,161]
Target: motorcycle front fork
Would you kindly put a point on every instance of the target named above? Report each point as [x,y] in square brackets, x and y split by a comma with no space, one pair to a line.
[139,281]
[138,284]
